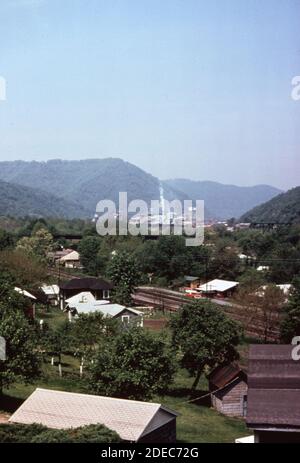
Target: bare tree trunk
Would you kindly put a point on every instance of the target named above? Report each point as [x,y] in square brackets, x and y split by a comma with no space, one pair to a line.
[197,379]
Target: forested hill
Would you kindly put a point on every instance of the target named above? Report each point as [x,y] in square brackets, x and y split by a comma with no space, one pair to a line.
[88,181]
[224,201]
[283,208]
[20,201]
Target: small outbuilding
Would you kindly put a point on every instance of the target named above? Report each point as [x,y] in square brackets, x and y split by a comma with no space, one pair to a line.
[134,421]
[228,387]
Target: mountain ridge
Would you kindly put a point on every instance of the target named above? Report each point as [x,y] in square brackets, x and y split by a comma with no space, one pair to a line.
[224,200]
[85,182]
[20,201]
[283,208]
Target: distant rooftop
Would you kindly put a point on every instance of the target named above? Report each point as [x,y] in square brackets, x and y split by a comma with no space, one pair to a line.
[218,285]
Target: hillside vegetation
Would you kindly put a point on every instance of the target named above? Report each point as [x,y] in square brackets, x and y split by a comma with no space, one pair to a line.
[20,201]
[88,181]
[224,201]
[283,208]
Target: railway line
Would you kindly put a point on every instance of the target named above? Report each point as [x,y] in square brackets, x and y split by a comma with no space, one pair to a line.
[170,301]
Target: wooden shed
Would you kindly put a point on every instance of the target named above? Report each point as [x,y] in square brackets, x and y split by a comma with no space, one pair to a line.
[228,385]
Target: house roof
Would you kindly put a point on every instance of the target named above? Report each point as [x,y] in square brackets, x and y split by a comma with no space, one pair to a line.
[74,255]
[113,310]
[86,284]
[191,278]
[51,290]
[273,387]
[62,410]
[25,293]
[223,375]
[107,309]
[85,297]
[59,254]
[218,285]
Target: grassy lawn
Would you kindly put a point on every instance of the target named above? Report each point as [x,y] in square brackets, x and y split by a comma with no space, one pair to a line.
[53,316]
[197,422]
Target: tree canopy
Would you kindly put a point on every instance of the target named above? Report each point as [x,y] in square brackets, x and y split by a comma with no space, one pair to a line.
[206,336]
[133,364]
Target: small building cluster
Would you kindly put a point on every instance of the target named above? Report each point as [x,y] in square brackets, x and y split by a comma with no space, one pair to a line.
[214,289]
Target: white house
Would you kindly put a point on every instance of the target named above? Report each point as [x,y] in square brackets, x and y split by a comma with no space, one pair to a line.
[85,303]
[71,260]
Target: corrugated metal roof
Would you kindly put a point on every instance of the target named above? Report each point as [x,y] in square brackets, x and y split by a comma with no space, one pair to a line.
[63,410]
[51,290]
[223,375]
[273,386]
[218,285]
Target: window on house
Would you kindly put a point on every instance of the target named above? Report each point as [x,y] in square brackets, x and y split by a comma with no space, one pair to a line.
[106,294]
[125,319]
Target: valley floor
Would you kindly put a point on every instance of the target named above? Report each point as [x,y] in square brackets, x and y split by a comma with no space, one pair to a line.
[197,422]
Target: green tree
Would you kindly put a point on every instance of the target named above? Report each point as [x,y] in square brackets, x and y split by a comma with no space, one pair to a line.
[88,249]
[60,341]
[38,245]
[124,273]
[6,240]
[206,337]
[36,433]
[92,434]
[290,325]
[90,330]
[26,271]
[168,257]
[251,280]
[133,364]
[22,362]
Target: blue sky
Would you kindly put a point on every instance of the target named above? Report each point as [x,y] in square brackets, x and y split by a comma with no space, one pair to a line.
[181,88]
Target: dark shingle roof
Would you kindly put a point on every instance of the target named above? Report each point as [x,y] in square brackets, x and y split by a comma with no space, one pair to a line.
[274,387]
[87,284]
[223,375]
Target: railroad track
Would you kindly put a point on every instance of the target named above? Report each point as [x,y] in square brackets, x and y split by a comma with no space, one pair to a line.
[171,301]
[61,275]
